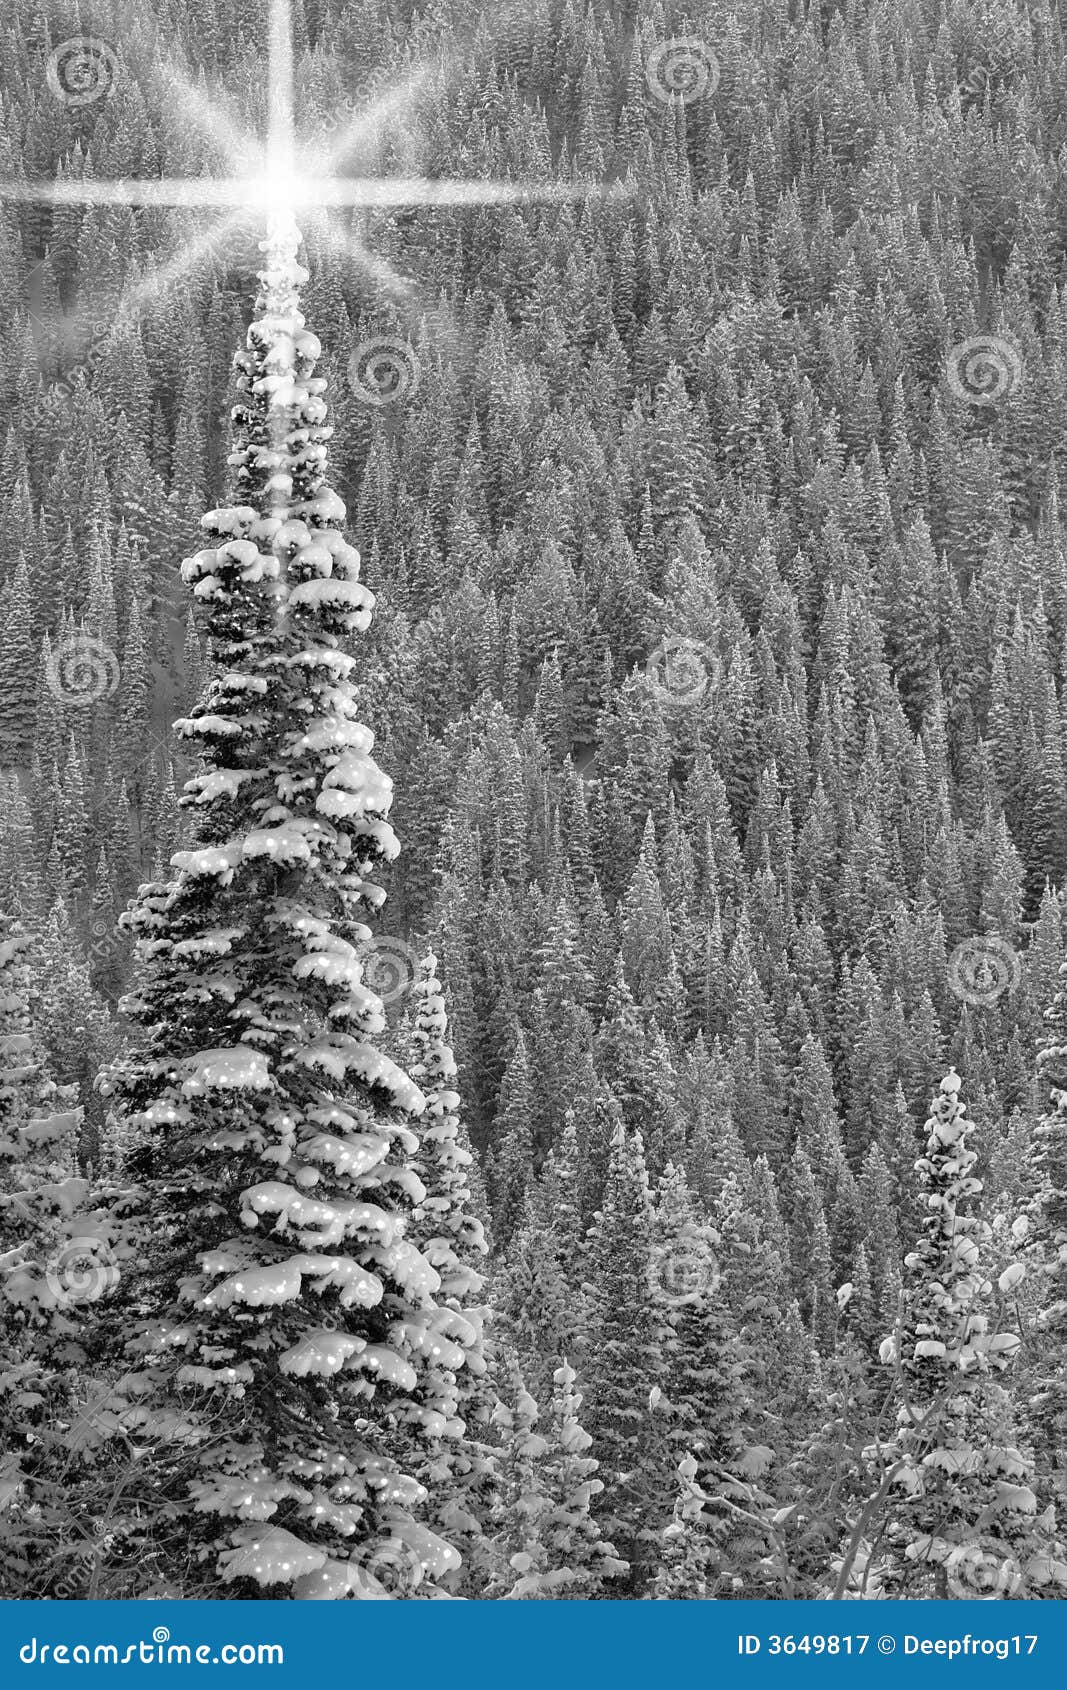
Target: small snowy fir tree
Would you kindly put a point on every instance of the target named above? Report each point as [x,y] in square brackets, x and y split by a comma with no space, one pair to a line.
[459,1470]
[963,1516]
[621,1364]
[50,1263]
[286,1360]
[698,1401]
[1046,1251]
[40,1193]
[550,1549]
[691,1568]
[535,1294]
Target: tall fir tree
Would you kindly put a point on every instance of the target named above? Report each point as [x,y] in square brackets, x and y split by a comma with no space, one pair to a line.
[621,1363]
[282,1368]
[962,1514]
[459,1470]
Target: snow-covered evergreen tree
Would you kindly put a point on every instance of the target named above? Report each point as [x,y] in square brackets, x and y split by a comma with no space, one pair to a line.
[549,1547]
[621,1364]
[693,1568]
[1046,1252]
[39,1190]
[53,1258]
[963,1518]
[534,1294]
[699,1399]
[284,1327]
[459,1469]
[511,1165]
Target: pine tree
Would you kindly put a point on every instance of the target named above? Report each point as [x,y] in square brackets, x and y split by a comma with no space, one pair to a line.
[54,1258]
[459,1468]
[511,1163]
[534,1293]
[1046,1248]
[75,1028]
[38,1144]
[963,1517]
[620,1367]
[700,1398]
[287,1305]
[549,1539]
[72,824]
[692,1566]
[17,666]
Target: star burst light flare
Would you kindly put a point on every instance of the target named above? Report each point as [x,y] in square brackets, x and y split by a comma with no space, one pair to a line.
[275,181]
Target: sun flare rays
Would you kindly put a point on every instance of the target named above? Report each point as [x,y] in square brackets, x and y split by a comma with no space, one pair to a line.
[285,174]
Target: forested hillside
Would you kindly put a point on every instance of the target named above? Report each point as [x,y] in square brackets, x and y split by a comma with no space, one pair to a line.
[662,1191]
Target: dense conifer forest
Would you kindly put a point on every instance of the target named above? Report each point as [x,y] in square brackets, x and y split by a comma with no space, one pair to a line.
[533,804]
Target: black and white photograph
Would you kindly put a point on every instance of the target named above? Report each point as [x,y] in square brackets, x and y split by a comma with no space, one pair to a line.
[533,802]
